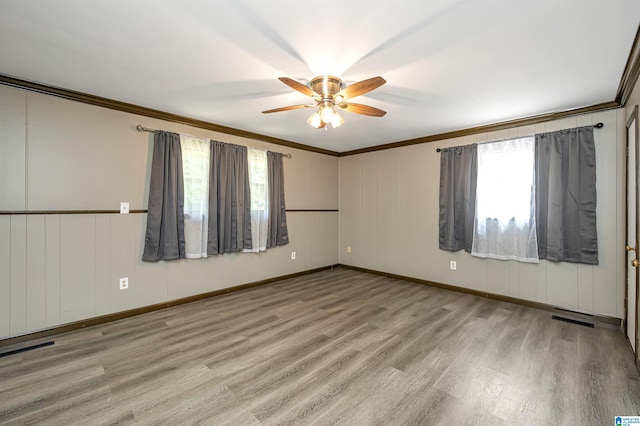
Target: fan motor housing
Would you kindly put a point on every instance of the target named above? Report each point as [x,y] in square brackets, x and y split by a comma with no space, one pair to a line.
[326,85]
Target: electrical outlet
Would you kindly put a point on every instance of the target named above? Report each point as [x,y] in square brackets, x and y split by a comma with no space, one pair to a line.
[348,249]
[293,255]
[124,283]
[452,265]
[124,208]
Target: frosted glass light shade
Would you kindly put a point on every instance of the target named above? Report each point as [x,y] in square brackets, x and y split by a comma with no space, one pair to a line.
[315,120]
[326,114]
[337,120]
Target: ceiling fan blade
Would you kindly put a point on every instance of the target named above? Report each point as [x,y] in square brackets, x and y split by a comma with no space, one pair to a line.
[287,108]
[298,86]
[361,87]
[362,109]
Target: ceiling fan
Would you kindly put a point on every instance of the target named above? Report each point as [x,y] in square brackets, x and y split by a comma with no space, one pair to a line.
[330,93]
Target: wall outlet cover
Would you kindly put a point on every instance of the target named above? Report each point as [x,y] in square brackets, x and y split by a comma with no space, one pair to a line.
[124,283]
[124,208]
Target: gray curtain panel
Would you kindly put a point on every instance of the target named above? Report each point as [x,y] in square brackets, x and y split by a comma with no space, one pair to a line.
[229,199]
[458,175]
[566,196]
[164,239]
[277,234]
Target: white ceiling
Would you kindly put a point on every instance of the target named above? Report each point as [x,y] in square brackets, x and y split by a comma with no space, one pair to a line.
[449,65]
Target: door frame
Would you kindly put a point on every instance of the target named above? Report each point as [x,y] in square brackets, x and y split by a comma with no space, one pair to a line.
[632,120]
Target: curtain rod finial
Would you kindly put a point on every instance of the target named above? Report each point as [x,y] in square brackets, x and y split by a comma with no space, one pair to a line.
[599,126]
[141,128]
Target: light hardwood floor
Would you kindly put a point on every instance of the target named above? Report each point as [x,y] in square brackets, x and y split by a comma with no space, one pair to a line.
[337,346]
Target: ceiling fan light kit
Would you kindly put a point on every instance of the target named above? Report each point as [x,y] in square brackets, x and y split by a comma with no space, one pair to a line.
[315,120]
[329,92]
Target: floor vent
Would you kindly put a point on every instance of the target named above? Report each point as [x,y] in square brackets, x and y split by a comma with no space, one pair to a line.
[573,321]
[25,349]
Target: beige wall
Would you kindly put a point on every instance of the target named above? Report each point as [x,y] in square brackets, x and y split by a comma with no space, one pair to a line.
[63,155]
[389,218]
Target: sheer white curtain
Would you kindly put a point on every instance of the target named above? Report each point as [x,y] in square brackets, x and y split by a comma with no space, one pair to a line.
[259,184]
[195,164]
[505,210]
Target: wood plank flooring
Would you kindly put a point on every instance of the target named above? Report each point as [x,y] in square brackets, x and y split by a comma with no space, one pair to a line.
[333,347]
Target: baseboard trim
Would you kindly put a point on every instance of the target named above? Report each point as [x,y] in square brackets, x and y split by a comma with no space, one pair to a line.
[597,320]
[89,322]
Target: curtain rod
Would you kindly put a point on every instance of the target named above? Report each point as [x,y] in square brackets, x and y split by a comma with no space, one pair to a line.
[146,129]
[595,126]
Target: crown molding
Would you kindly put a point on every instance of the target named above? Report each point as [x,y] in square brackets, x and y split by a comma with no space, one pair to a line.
[85,98]
[631,72]
[487,128]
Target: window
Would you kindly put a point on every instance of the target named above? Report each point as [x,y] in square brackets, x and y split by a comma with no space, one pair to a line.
[203,202]
[195,163]
[524,199]
[195,171]
[504,226]
[258,181]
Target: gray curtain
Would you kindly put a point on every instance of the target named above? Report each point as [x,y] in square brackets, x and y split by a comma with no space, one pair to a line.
[164,239]
[566,196]
[458,174]
[277,234]
[229,199]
